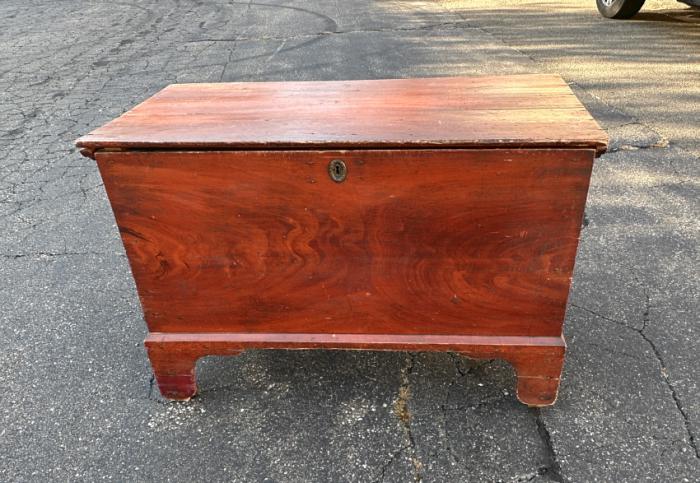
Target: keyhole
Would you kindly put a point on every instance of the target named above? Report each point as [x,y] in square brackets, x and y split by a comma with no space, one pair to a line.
[337,170]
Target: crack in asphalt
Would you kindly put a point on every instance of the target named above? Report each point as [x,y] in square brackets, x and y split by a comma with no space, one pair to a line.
[553,468]
[328,33]
[659,358]
[151,384]
[388,464]
[490,34]
[604,317]
[153,394]
[15,256]
[664,375]
[541,471]
[444,407]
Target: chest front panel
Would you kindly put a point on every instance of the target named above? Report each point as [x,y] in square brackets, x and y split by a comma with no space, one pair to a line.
[477,242]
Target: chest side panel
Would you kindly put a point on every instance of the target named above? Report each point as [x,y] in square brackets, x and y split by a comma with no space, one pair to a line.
[411,242]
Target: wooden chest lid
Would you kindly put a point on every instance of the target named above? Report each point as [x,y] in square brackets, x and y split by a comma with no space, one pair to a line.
[517,111]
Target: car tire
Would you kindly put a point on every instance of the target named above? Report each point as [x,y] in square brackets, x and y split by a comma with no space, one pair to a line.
[619,8]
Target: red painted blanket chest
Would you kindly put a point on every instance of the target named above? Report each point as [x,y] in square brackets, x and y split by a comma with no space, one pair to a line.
[418,214]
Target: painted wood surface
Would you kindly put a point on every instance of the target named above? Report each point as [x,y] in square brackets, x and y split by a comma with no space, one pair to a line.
[455,227]
[536,111]
[412,242]
[537,360]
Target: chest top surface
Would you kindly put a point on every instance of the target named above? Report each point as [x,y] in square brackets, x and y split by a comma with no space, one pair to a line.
[517,111]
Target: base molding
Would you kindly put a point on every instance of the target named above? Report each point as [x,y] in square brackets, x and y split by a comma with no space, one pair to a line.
[537,360]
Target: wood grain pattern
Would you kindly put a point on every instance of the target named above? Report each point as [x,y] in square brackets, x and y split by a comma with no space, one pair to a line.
[537,360]
[413,242]
[537,111]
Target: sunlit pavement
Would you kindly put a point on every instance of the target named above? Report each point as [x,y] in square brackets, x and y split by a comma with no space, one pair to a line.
[77,400]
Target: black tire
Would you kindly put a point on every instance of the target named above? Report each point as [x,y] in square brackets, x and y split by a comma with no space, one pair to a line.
[619,8]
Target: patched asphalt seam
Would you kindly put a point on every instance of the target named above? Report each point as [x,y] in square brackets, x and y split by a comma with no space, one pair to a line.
[402,411]
[662,143]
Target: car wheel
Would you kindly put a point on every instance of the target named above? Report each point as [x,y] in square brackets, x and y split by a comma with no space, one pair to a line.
[619,8]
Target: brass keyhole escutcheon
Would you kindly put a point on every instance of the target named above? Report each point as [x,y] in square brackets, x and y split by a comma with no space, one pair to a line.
[337,170]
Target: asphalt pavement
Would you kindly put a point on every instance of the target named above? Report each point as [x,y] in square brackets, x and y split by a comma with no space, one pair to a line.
[78,401]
